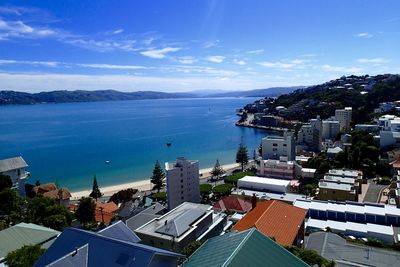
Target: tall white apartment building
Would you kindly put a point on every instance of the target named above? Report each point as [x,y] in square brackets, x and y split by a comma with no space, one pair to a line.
[330,129]
[276,147]
[16,169]
[182,182]
[343,116]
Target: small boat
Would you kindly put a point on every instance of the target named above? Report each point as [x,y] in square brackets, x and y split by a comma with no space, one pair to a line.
[107,162]
[169,144]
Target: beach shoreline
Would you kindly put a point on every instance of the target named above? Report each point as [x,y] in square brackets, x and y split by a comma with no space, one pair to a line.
[142,185]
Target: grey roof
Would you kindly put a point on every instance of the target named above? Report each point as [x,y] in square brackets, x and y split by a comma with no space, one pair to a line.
[334,150]
[334,247]
[145,216]
[12,164]
[119,231]
[180,224]
[22,234]
[78,257]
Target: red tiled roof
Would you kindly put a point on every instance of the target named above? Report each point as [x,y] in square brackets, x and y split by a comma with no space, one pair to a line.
[55,194]
[105,211]
[43,188]
[233,203]
[275,219]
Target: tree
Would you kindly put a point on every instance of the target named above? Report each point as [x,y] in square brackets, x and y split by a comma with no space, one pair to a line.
[10,202]
[241,156]
[160,196]
[205,191]
[86,211]
[123,196]
[157,179]
[95,190]
[26,256]
[217,171]
[222,190]
[5,182]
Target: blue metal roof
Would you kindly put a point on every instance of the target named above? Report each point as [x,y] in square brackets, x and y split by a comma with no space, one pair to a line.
[105,250]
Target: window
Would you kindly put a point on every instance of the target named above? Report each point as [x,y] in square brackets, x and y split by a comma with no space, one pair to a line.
[181,174]
[181,198]
[181,180]
[274,144]
[181,186]
[284,145]
[274,149]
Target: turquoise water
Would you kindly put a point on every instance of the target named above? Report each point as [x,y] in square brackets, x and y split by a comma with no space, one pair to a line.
[69,143]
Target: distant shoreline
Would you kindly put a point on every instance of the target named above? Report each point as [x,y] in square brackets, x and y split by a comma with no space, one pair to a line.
[141,185]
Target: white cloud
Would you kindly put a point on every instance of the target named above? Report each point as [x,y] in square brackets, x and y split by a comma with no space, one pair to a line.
[118,31]
[186,60]
[371,60]
[258,51]
[216,59]
[239,62]
[276,65]
[159,53]
[340,69]
[20,29]
[110,66]
[210,44]
[25,62]
[364,35]
[102,45]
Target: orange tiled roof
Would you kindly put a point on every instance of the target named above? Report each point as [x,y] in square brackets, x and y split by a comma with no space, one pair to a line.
[275,219]
[396,163]
[105,211]
[43,188]
[233,203]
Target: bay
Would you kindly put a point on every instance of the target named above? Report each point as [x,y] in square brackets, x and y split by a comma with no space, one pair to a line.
[70,143]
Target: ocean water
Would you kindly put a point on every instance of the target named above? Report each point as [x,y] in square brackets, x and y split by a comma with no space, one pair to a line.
[69,143]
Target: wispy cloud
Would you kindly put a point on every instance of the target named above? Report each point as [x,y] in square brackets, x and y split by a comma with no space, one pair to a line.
[186,60]
[19,29]
[295,63]
[258,51]
[118,31]
[372,60]
[159,53]
[364,35]
[25,62]
[239,62]
[17,10]
[210,44]
[111,66]
[105,45]
[216,59]
[341,69]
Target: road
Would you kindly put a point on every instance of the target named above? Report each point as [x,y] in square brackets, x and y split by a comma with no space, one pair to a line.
[373,193]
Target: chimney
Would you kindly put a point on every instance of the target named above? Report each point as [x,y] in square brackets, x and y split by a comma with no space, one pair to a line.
[253,201]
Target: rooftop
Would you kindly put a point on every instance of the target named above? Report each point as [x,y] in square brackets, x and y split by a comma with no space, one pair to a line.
[339,179]
[275,219]
[245,248]
[22,234]
[12,164]
[233,203]
[287,197]
[145,216]
[336,186]
[264,180]
[177,222]
[345,172]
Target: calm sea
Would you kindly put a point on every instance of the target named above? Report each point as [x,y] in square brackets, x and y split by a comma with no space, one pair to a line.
[69,143]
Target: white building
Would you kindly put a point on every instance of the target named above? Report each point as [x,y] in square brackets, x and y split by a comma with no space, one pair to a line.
[330,129]
[370,128]
[264,184]
[182,182]
[310,134]
[277,169]
[16,169]
[343,116]
[275,147]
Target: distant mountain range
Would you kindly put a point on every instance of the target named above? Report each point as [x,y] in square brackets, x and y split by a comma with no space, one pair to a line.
[21,98]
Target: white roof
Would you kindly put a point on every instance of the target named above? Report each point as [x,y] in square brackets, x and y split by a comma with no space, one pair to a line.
[345,172]
[309,170]
[263,180]
[337,186]
[339,179]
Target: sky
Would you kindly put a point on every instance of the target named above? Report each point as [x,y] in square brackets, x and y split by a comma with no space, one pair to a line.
[185,45]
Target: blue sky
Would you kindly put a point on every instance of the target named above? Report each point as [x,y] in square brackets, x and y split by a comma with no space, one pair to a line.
[188,45]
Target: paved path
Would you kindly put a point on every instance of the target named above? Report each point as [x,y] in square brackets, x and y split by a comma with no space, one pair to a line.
[373,193]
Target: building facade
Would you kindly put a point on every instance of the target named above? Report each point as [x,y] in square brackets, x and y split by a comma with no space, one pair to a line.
[276,147]
[343,116]
[277,169]
[16,169]
[182,182]
[330,129]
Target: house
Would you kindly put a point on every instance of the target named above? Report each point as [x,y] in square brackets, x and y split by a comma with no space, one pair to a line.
[233,204]
[50,190]
[344,253]
[105,212]
[276,219]
[115,245]
[279,169]
[16,169]
[145,216]
[247,248]
[179,227]
[333,151]
[182,182]
[23,234]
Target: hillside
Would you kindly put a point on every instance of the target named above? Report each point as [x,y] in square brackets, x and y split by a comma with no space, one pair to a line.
[363,93]
[268,92]
[14,98]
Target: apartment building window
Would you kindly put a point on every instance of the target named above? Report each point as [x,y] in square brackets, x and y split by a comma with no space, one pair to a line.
[274,144]
[274,149]
[284,145]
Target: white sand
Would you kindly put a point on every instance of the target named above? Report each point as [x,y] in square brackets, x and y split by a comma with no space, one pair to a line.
[142,185]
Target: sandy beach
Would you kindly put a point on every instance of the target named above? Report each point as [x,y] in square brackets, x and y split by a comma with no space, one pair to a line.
[142,185]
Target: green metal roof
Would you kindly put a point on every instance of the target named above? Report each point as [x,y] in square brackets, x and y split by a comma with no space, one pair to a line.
[22,234]
[248,248]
